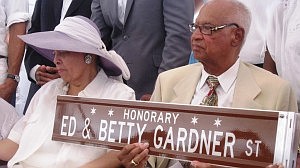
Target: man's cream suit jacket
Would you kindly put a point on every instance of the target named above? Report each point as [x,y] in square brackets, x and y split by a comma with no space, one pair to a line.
[255,89]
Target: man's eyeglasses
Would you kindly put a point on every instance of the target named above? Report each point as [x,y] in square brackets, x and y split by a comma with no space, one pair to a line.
[208,29]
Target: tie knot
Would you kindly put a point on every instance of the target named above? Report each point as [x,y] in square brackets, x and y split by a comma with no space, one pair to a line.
[212,82]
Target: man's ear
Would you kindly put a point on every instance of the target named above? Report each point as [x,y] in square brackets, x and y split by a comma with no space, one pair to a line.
[238,36]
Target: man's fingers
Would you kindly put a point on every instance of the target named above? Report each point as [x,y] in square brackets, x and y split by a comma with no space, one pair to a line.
[275,166]
[132,155]
[144,162]
[51,70]
[44,77]
[125,151]
[197,164]
[141,159]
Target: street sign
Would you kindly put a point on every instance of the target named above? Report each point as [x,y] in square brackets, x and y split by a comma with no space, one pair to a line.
[222,136]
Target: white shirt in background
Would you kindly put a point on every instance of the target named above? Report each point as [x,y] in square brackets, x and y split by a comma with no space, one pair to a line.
[11,11]
[254,48]
[284,43]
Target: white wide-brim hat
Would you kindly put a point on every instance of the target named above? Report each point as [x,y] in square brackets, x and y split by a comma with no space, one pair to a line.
[77,34]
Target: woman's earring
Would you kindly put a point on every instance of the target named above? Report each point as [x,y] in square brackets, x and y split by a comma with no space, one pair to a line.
[88,59]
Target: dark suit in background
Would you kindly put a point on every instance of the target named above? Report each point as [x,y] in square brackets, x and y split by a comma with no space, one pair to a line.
[154,38]
[46,16]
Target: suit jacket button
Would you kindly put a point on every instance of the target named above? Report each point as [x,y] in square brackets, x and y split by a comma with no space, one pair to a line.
[125,37]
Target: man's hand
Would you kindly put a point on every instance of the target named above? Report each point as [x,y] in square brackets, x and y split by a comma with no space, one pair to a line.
[8,88]
[45,74]
[275,166]
[196,164]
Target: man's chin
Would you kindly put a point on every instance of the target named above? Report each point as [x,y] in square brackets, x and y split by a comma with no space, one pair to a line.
[199,57]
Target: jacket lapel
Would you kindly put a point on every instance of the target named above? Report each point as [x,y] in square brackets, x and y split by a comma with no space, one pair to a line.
[185,88]
[111,8]
[162,162]
[246,89]
[128,8]
[158,162]
[152,161]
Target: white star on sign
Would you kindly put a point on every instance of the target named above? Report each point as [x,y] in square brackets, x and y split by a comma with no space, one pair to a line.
[93,111]
[110,112]
[217,122]
[194,120]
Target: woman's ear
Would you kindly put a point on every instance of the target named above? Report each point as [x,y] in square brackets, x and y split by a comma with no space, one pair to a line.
[238,36]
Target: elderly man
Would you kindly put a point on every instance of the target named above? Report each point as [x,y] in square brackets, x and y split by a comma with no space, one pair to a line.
[13,15]
[221,79]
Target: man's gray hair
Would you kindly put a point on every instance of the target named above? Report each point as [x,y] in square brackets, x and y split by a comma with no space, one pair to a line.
[240,14]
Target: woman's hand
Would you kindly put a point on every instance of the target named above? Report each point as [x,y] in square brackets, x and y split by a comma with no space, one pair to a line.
[134,155]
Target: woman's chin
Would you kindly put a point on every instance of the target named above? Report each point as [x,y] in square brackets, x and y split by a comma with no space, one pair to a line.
[66,79]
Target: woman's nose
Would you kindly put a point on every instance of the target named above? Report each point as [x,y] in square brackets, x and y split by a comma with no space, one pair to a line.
[56,60]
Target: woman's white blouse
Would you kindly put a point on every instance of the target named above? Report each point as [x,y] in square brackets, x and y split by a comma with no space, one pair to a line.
[33,132]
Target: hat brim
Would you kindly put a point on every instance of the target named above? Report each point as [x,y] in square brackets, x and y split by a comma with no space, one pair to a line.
[45,43]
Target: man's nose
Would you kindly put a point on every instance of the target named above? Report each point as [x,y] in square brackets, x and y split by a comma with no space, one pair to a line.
[197,34]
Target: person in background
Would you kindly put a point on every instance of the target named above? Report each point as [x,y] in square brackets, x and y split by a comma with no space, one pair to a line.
[48,14]
[151,36]
[14,16]
[86,69]
[220,78]
[254,48]
[283,55]
[8,118]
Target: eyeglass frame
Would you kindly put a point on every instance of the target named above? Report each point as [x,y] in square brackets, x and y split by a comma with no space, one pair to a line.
[193,27]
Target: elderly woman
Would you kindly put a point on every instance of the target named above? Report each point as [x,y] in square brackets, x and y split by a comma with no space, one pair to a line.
[87,69]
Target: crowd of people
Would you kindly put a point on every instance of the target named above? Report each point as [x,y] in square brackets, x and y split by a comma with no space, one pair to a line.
[140,50]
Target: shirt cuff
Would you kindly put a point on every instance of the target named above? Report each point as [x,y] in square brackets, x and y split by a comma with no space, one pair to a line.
[33,71]
[17,17]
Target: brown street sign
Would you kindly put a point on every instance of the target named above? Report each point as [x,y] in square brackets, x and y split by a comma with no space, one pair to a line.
[223,136]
